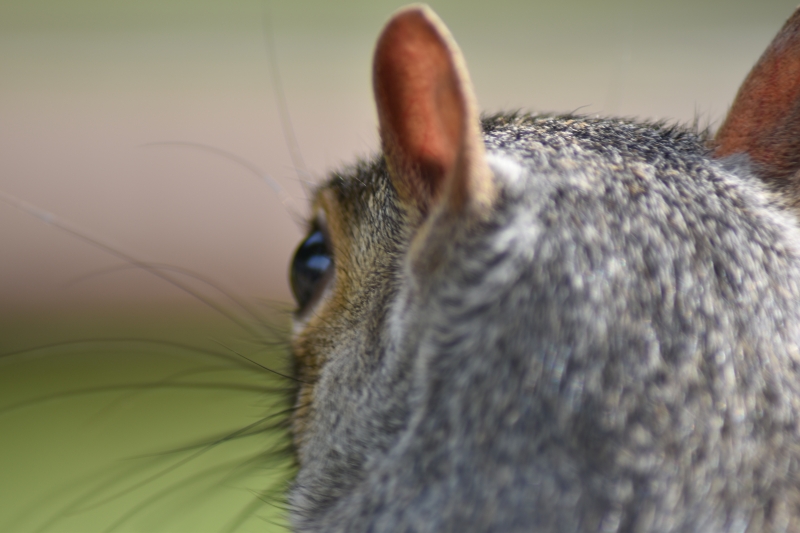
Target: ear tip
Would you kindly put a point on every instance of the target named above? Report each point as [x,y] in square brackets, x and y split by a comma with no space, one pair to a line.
[413,23]
[417,9]
[795,13]
[416,13]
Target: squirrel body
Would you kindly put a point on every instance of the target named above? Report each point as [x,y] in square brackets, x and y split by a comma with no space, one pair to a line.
[550,323]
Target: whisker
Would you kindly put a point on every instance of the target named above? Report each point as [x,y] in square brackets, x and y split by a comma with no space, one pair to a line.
[171,488]
[287,200]
[163,472]
[257,503]
[184,272]
[281,424]
[259,365]
[280,100]
[133,386]
[27,352]
[169,380]
[80,234]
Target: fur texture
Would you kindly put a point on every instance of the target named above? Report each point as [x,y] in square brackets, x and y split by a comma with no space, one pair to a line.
[613,346]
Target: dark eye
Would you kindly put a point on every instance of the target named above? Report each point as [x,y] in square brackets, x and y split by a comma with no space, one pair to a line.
[311,263]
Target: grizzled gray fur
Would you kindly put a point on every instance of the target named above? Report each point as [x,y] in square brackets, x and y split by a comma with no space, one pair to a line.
[614,350]
[555,324]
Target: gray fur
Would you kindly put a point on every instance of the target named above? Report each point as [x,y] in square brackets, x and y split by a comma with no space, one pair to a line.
[614,349]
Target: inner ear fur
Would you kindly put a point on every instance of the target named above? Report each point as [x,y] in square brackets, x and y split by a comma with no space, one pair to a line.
[429,122]
[764,120]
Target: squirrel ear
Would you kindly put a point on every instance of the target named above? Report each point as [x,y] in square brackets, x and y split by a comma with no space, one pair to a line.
[764,121]
[429,123]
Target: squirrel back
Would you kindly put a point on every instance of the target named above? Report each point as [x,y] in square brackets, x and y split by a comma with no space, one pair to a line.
[539,323]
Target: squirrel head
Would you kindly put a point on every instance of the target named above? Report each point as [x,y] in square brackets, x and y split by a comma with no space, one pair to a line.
[500,318]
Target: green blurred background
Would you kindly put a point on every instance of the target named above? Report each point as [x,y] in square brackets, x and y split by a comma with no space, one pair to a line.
[115,435]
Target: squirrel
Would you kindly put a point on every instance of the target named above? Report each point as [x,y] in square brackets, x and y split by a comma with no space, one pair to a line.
[551,323]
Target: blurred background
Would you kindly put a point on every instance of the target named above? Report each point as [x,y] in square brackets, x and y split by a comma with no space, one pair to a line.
[165,130]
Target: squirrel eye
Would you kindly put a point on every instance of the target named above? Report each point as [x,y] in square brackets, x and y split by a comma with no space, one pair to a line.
[311,262]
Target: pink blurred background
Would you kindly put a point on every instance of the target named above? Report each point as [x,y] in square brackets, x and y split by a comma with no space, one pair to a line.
[86,86]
